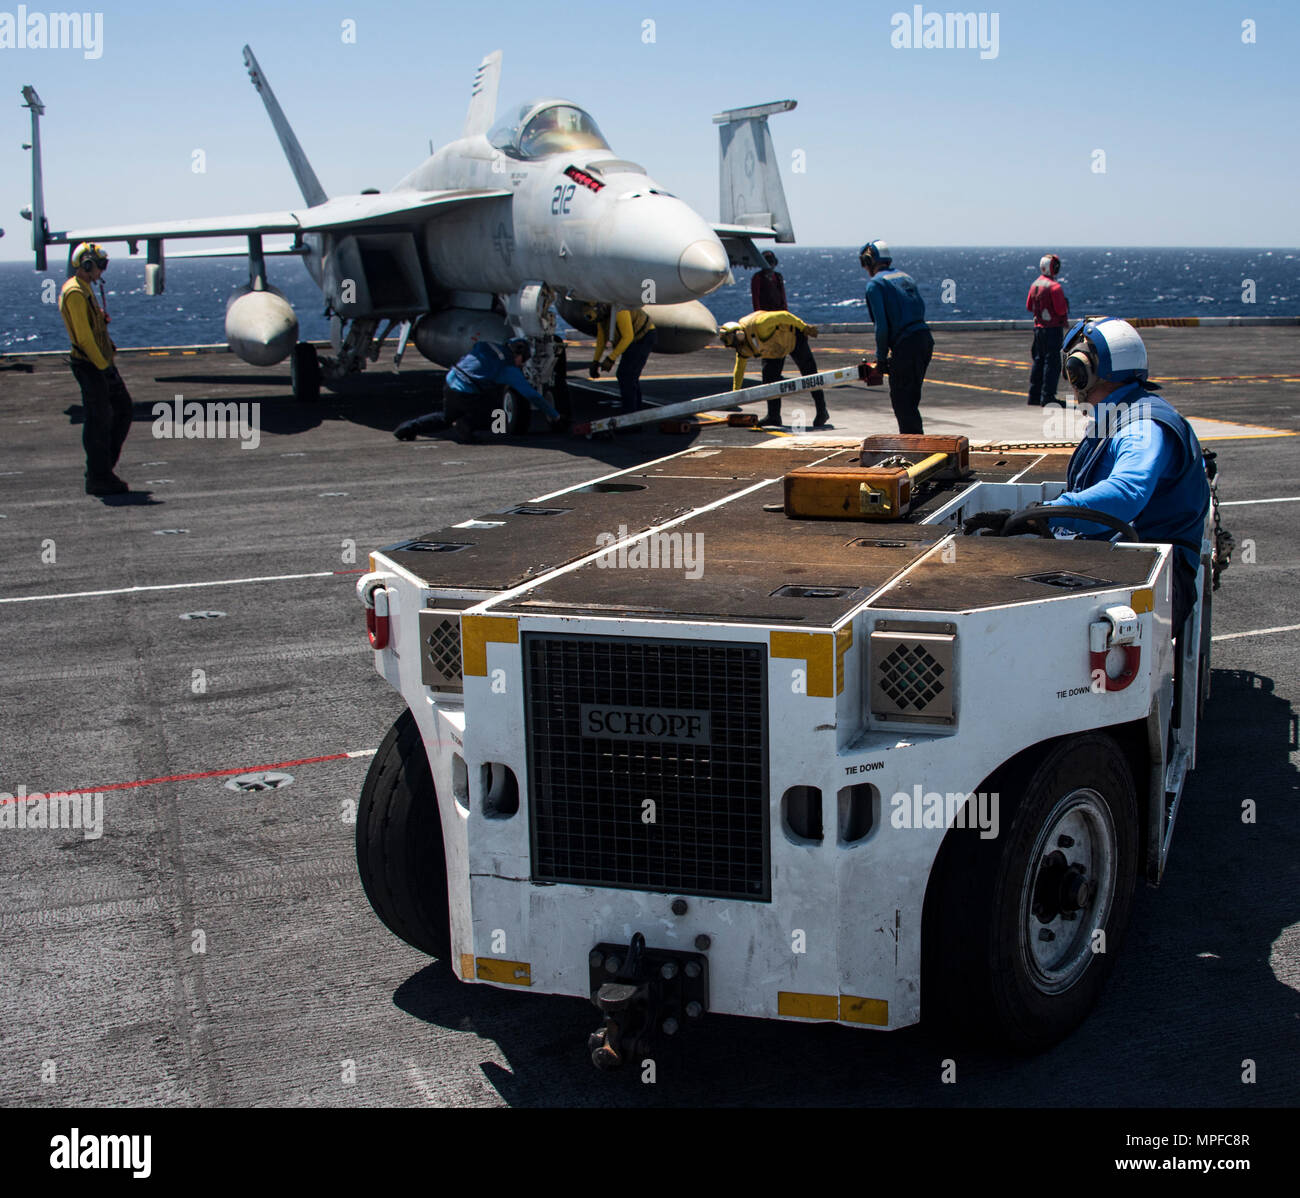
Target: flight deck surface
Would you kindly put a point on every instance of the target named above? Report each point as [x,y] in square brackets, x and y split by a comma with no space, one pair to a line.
[109,687]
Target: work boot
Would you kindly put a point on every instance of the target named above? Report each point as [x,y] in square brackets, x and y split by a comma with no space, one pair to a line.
[112,485]
[823,418]
[772,416]
[463,430]
[405,431]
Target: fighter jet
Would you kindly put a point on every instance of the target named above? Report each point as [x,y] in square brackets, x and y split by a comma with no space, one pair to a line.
[484,239]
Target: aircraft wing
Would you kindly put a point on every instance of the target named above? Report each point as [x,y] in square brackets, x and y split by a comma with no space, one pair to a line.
[382,208]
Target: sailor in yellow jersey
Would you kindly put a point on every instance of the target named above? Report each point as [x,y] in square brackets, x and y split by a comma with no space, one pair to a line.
[772,336]
[636,339]
[104,398]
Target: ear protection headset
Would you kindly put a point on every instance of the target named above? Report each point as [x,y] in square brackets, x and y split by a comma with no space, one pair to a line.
[1050,265]
[1079,365]
[88,250]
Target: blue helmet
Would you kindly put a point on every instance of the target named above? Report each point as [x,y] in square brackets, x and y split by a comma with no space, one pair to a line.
[875,253]
[1103,349]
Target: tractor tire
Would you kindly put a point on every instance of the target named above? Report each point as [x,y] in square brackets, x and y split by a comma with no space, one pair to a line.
[400,852]
[1021,930]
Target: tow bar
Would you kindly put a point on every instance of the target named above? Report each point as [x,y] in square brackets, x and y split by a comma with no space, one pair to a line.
[642,992]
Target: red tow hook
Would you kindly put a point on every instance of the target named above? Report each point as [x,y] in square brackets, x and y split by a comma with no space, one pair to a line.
[377,618]
[1132,659]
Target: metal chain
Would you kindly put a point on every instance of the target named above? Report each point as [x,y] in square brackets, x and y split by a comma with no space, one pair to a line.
[1224,541]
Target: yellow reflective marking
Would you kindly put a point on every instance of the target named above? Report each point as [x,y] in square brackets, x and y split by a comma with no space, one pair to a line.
[817,651]
[512,973]
[807,1006]
[864,1010]
[1143,600]
[843,642]
[467,966]
[476,631]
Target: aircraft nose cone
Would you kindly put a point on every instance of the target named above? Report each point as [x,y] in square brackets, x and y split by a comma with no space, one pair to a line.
[703,267]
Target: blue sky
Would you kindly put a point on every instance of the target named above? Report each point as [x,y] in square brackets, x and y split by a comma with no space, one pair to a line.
[918,146]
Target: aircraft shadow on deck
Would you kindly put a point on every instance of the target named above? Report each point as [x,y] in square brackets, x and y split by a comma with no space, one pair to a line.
[382,401]
[1132,1050]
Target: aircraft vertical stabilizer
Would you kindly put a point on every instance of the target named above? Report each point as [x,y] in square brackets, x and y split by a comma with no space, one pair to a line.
[483,98]
[748,175]
[308,184]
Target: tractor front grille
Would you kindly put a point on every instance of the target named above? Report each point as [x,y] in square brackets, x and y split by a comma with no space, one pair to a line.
[647,764]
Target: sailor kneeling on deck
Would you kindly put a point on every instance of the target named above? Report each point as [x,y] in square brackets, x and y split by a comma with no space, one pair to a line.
[474,391]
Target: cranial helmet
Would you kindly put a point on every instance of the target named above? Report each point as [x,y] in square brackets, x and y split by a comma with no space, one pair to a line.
[730,333]
[1103,350]
[519,345]
[89,254]
[1049,265]
[875,253]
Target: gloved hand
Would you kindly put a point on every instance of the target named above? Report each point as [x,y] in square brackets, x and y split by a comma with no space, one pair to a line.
[992,521]
[594,369]
[811,331]
[607,364]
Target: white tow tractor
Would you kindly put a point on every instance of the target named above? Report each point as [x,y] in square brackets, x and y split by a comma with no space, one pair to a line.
[760,731]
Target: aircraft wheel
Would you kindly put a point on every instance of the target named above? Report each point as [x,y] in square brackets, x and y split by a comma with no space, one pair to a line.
[400,854]
[1021,929]
[518,413]
[304,370]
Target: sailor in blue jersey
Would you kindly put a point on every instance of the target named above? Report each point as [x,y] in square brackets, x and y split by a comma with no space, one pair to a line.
[903,341]
[474,388]
[1141,461]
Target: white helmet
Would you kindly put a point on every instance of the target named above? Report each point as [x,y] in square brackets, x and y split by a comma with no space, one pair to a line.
[875,253]
[1103,349]
[1049,265]
[730,333]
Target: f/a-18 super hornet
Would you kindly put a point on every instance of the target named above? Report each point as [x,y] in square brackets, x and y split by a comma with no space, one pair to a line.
[484,239]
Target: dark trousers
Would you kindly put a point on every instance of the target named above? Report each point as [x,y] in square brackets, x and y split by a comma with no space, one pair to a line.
[908,362]
[630,366]
[107,407]
[1046,371]
[475,409]
[1184,588]
[807,364]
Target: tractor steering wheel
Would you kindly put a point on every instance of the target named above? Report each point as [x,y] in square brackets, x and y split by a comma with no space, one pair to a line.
[1035,516]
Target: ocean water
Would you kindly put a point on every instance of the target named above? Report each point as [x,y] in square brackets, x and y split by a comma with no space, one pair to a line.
[822,285]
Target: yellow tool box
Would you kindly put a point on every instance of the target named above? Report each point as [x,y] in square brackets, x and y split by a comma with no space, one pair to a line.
[883,486]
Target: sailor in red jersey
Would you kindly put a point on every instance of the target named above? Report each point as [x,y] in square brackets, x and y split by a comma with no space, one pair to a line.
[1050,308]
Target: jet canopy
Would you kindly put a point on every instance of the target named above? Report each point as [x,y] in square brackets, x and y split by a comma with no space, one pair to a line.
[544,127]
